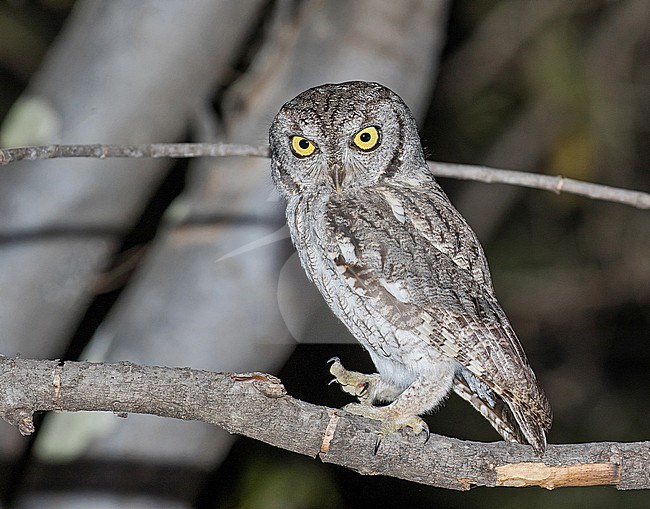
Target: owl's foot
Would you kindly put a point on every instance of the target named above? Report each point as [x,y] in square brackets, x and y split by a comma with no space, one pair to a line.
[368,388]
[391,420]
[361,385]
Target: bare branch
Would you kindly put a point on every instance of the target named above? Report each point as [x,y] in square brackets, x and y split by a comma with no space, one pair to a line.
[155,150]
[256,405]
[557,184]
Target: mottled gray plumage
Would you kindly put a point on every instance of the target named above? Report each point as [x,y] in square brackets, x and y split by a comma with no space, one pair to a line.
[398,264]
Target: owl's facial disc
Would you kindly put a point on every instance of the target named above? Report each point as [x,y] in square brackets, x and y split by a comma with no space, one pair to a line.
[341,158]
[337,138]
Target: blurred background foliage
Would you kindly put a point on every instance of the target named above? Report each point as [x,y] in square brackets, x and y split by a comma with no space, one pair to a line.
[26,30]
[558,88]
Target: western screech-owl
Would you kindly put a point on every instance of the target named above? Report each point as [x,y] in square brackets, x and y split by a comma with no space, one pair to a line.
[398,264]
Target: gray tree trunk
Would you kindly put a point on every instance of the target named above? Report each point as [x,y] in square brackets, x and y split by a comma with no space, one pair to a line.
[120,72]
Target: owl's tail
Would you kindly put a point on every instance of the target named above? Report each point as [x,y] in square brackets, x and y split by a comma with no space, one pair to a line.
[513,423]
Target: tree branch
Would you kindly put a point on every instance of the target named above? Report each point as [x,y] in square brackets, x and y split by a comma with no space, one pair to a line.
[557,184]
[154,150]
[256,405]
[554,183]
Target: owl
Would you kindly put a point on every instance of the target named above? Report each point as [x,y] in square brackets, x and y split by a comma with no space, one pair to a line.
[398,265]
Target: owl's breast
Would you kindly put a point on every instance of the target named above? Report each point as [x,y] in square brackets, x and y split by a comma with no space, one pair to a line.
[307,226]
[315,244]
[324,257]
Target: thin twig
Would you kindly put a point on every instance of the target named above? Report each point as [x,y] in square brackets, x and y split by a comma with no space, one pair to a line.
[256,405]
[179,150]
[556,184]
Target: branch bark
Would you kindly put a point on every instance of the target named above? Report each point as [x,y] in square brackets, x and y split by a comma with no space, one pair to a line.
[257,405]
[556,184]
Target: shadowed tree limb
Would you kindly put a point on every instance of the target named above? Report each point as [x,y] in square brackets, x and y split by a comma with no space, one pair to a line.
[256,405]
[556,184]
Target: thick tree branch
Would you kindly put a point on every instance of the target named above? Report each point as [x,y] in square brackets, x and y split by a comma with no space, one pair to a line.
[557,184]
[256,405]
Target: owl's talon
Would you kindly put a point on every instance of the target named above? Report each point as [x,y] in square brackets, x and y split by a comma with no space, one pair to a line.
[334,359]
[377,444]
[364,389]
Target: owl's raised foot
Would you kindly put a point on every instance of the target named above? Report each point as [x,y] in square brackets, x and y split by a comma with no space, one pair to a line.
[360,385]
[391,420]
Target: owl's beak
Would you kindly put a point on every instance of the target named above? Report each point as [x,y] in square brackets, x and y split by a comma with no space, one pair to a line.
[337,174]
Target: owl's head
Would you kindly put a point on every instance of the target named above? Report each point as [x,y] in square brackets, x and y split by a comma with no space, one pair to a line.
[339,137]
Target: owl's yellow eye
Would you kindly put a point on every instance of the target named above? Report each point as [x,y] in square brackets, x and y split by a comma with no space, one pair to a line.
[367,139]
[302,147]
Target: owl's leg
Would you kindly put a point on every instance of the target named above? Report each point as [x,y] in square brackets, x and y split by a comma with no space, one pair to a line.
[422,396]
[367,388]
